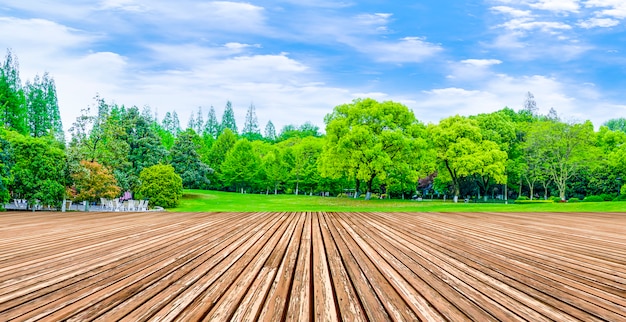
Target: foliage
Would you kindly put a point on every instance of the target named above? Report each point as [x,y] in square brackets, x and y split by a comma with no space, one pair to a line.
[93,181]
[593,199]
[161,185]
[240,166]
[39,170]
[520,198]
[44,117]
[251,126]
[186,162]
[574,199]
[368,139]
[212,127]
[228,119]
[270,131]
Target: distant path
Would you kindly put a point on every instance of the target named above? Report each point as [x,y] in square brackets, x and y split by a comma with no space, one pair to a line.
[312,266]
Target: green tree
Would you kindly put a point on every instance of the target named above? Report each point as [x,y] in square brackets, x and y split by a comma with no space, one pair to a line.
[618,124]
[240,166]
[39,170]
[93,181]
[44,117]
[219,150]
[275,169]
[270,131]
[251,126]
[171,124]
[462,152]
[228,119]
[12,98]
[6,164]
[564,148]
[161,185]
[187,163]
[367,139]
[212,127]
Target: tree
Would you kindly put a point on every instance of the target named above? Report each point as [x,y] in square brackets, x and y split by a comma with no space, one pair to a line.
[39,170]
[270,131]
[12,98]
[228,119]
[187,163]
[93,181]
[462,152]
[240,166]
[212,127]
[275,169]
[171,124]
[251,126]
[367,139]
[42,105]
[217,155]
[6,164]
[530,105]
[161,185]
[564,149]
[618,124]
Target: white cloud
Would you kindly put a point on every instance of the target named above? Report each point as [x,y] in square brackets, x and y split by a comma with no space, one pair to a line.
[481,62]
[406,50]
[517,13]
[557,5]
[530,24]
[599,22]
[612,8]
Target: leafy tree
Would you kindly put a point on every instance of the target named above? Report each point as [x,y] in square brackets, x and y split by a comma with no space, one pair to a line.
[618,124]
[291,131]
[93,181]
[275,169]
[39,170]
[228,119]
[145,146]
[218,152]
[187,163]
[12,98]
[161,185]
[301,157]
[44,117]
[240,166]
[367,139]
[212,127]
[462,152]
[564,148]
[171,123]
[6,164]
[270,131]
[251,126]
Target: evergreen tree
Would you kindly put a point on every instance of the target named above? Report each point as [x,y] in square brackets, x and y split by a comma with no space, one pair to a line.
[270,131]
[192,122]
[199,124]
[12,98]
[44,117]
[176,123]
[251,126]
[168,123]
[228,119]
[530,105]
[212,127]
[187,163]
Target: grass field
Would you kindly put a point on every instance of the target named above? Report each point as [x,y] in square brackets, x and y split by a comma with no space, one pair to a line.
[201,201]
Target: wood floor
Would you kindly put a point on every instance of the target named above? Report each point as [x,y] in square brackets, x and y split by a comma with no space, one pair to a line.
[312,266]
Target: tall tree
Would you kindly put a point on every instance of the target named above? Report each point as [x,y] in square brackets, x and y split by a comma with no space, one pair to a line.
[93,181]
[219,150]
[618,124]
[12,98]
[44,117]
[186,162]
[462,152]
[564,148]
[228,119]
[270,131]
[251,125]
[366,139]
[530,105]
[212,127]
[240,166]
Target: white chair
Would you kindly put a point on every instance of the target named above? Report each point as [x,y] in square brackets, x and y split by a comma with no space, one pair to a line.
[131,205]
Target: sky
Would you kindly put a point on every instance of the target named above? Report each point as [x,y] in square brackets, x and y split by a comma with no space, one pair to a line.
[295,60]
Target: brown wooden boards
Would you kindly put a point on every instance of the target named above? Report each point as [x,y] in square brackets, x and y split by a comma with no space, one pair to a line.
[312,266]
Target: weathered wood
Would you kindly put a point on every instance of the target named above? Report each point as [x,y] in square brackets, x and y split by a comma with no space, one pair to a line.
[312,266]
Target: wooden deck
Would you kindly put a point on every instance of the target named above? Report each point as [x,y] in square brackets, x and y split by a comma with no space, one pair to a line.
[312,266]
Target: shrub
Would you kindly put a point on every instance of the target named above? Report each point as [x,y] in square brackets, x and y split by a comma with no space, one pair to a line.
[607,197]
[521,198]
[573,200]
[161,185]
[534,201]
[593,199]
[555,198]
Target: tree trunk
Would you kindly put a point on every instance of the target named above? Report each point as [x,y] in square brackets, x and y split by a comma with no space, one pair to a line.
[356,189]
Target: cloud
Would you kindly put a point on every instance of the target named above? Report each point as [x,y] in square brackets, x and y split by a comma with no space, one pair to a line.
[406,50]
[517,13]
[598,22]
[481,62]
[557,5]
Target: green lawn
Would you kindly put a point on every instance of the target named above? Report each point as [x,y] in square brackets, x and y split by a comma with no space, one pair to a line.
[208,201]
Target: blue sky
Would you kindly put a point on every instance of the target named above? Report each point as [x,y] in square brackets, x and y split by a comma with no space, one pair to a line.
[297,59]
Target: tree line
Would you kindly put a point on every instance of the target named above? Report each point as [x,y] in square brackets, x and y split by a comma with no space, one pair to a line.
[378,149]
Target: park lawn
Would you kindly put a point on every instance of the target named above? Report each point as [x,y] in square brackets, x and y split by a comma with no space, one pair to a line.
[213,201]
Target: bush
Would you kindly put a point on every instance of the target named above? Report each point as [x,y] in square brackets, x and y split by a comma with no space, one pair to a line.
[573,200]
[161,185]
[522,198]
[534,201]
[555,198]
[593,199]
[607,196]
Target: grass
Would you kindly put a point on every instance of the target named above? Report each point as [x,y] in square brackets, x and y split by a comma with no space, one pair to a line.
[213,201]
